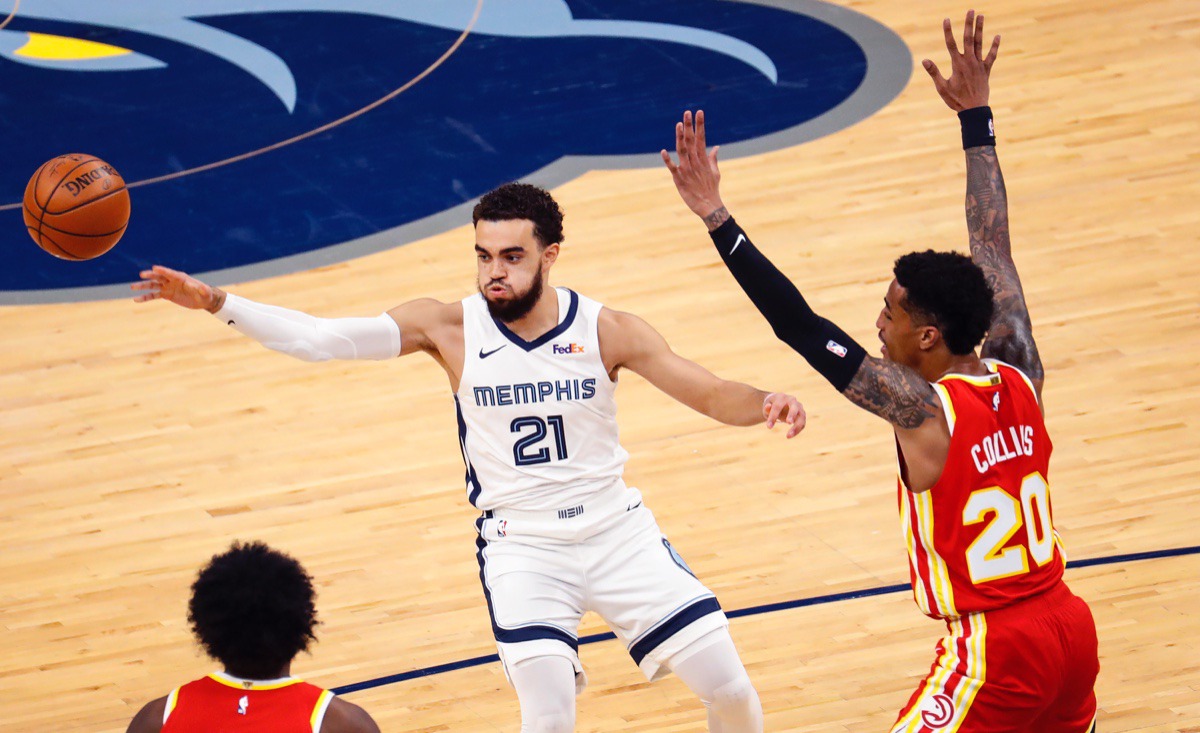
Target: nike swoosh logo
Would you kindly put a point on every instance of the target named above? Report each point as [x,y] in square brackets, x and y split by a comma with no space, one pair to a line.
[483,355]
[741,238]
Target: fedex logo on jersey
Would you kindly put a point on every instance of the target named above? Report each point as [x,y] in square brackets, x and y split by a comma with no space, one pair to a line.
[568,349]
[355,126]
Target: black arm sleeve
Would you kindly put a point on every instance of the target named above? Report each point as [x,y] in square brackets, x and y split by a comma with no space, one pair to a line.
[825,346]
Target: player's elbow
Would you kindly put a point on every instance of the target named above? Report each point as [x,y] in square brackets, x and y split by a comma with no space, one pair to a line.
[300,350]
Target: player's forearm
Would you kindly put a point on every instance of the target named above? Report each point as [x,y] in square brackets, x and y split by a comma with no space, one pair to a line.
[307,337]
[735,403]
[826,347]
[987,213]
[1010,336]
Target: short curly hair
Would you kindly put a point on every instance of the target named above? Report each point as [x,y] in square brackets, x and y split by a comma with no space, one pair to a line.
[949,291]
[523,201]
[253,609]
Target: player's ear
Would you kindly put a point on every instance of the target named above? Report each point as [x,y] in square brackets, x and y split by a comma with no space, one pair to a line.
[550,254]
[928,337]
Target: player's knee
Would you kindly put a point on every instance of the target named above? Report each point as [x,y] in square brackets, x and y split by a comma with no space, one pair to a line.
[734,698]
[556,722]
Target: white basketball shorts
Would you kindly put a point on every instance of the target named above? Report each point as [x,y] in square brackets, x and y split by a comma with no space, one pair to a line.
[541,571]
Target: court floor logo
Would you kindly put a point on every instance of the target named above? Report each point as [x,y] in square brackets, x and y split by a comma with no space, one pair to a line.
[271,136]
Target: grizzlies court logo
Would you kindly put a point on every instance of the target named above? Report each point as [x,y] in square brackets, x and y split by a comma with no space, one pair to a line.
[269,136]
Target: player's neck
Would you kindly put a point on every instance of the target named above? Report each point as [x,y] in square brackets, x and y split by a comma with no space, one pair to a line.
[283,673]
[939,366]
[542,318]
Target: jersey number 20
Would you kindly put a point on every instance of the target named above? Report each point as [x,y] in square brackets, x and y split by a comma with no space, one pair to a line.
[988,558]
[523,452]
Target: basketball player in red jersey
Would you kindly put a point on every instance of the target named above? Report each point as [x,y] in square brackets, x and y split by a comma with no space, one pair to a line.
[1020,652]
[252,610]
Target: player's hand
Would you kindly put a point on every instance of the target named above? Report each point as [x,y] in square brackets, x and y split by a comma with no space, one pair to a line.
[967,86]
[178,287]
[786,408]
[697,177]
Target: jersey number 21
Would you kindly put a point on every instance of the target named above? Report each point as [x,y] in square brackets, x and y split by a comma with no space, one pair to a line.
[526,452]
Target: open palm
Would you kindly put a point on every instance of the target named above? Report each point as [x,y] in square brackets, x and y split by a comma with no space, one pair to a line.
[970,70]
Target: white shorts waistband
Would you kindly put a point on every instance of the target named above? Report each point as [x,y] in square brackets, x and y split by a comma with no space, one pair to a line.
[564,522]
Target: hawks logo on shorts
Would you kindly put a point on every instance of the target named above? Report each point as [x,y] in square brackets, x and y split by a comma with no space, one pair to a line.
[938,712]
[204,81]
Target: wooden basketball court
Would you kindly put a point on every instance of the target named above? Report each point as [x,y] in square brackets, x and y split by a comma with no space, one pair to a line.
[138,441]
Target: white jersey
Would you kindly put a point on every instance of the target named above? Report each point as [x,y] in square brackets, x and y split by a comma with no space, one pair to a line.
[536,419]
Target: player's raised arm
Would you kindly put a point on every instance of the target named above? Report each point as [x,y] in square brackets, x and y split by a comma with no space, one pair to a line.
[629,342]
[288,331]
[1010,336]
[892,391]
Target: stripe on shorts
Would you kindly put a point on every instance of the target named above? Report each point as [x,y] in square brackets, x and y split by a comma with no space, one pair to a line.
[671,626]
[958,676]
[529,632]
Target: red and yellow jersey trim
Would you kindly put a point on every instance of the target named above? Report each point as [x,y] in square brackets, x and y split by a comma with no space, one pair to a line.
[929,566]
[318,713]
[994,364]
[238,683]
[172,701]
[982,380]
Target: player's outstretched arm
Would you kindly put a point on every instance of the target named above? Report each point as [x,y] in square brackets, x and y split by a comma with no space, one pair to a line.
[891,391]
[288,331]
[1010,336]
[629,342]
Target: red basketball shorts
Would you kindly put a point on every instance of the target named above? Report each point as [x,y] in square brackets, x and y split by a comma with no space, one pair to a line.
[1030,667]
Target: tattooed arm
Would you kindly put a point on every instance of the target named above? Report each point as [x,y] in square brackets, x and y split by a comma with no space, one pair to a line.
[1010,336]
[894,392]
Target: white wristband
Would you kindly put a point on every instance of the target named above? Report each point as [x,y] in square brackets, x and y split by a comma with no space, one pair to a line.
[309,338]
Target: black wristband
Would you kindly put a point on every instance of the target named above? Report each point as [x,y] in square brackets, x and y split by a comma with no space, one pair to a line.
[977,127]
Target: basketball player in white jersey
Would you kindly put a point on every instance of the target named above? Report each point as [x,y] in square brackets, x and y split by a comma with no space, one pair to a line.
[533,370]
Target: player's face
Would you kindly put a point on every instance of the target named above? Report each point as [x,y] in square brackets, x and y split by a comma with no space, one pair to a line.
[900,336]
[512,266]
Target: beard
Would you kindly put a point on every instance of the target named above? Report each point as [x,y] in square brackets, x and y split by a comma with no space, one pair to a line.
[507,311]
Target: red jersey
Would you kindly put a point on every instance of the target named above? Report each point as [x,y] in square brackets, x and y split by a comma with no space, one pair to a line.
[222,703]
[983,537]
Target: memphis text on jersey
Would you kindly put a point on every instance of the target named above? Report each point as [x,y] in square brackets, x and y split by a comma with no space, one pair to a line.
[529,393]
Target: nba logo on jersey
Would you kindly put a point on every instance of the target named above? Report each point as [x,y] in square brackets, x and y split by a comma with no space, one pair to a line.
[996,402]
[243,704]
[938,712]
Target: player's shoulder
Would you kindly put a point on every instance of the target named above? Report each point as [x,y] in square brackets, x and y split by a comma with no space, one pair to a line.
[150,718]
[614,324]
[346,717]
[430,311]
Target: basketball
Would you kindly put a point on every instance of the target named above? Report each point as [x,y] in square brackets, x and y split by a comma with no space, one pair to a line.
[76,207]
